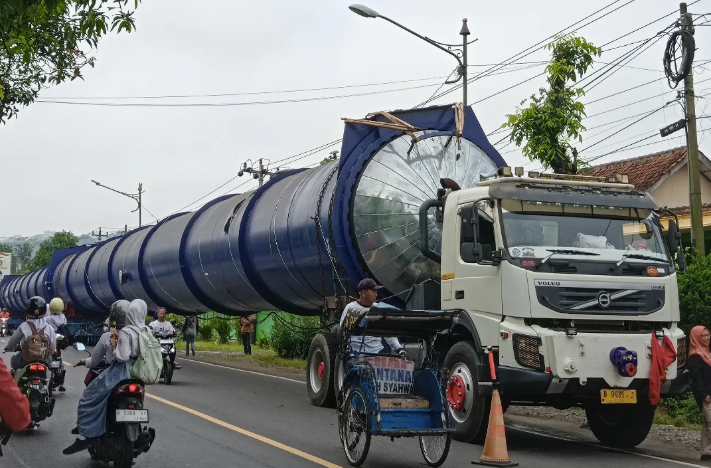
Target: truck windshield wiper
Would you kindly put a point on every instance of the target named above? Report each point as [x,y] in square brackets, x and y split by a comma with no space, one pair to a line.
[566,252]
[640,257]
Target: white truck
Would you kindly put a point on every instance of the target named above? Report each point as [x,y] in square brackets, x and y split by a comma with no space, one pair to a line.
[568,279]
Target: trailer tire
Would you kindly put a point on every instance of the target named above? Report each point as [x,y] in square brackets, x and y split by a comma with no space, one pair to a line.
[621,426]
[471,420]
[320,369]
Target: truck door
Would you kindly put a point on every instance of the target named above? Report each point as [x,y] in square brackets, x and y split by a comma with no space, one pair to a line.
[476,286]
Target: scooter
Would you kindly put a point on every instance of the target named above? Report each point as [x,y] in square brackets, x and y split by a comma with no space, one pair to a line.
[55,364]
[167,344]
[124,439]
[5,434]
[34,383]
[4,330]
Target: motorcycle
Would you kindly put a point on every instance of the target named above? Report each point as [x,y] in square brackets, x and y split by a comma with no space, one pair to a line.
[55,364]
[124,439]
[167,344]
[5,434]
[4,329]
[34,384]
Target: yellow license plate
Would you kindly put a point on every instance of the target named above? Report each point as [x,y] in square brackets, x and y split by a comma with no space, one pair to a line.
[618,396]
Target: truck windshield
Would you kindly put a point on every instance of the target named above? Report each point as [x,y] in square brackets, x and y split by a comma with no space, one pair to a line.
[534,229]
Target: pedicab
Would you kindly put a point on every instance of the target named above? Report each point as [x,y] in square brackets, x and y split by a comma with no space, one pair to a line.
[392,395]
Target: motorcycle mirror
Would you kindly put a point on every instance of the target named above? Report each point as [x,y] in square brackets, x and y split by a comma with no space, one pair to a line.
[79,346]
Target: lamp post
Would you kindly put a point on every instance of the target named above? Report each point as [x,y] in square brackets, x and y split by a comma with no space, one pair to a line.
[459,53]
[134,196]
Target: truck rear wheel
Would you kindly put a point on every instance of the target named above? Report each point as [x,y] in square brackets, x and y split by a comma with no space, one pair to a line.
[320,370]
[468,411]
[620,425]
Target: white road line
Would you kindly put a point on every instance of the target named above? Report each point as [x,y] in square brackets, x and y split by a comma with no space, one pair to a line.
[247,371]
[516,427]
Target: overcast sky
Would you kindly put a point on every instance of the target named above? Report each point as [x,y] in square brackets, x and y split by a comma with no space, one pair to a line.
[52,151]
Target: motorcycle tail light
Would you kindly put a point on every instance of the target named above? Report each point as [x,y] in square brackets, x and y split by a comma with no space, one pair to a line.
[38,368]
[134,388]
[35,382]
[131,406]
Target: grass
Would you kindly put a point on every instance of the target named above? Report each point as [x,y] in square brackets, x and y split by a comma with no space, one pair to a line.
[661,416]
[260,356]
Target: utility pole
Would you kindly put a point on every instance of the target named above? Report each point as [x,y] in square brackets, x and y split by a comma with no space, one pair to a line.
[692,149]
[140,206]
[464,33]
[97,235]
[125,228]
[257,173]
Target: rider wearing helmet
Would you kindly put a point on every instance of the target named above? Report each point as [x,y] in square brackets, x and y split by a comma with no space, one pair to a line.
[35,311]
[56,319]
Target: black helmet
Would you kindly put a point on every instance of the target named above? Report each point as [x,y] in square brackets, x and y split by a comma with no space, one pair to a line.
[117,312]
[36,307]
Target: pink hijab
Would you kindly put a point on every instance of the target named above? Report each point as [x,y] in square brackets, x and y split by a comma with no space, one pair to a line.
[697,347]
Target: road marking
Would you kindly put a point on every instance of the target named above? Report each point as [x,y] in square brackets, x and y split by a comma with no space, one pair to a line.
[247,371]
[66,363]
[578,441]
[239,430]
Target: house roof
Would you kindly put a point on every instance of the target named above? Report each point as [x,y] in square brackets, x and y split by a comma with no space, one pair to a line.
[643,171]
[684,210]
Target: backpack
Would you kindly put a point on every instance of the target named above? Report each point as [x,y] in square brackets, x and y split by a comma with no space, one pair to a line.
[149,364]
[36,347]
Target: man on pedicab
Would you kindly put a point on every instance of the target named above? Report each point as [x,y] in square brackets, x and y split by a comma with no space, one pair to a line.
[367,297]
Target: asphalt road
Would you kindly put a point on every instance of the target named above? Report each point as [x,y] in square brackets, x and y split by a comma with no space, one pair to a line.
[219,417]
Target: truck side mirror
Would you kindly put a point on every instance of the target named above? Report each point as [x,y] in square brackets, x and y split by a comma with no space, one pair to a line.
[674,236]
[424,229]
[496,257]
[681,261]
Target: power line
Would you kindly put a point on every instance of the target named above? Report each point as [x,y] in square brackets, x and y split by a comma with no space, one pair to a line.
[623,129]
[623,91]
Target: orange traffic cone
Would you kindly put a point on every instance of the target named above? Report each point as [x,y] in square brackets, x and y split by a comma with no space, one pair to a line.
[495,452]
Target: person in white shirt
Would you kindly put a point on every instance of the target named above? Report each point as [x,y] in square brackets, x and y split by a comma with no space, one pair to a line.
[55,315]
[35,311]
[367,297]
[163,327]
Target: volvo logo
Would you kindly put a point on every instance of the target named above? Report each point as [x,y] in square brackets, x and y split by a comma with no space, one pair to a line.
[604,300]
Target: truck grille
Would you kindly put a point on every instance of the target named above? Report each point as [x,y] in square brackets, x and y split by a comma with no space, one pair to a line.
[526,351]
[681,352]
[570,298]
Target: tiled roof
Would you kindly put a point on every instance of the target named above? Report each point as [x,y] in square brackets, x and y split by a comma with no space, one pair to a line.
[643,171]
[684,210]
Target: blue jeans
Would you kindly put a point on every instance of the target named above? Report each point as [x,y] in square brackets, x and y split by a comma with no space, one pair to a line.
[247,343]
[189,343]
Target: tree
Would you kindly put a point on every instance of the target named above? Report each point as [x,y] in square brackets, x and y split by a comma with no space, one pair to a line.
[60,240]
[22,257]
[46,42]
[554,117]
[695,293]
[329,159]
[5,248]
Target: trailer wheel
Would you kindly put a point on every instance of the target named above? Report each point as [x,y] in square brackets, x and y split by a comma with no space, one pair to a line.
[621,426]
[468,411]
[320,370]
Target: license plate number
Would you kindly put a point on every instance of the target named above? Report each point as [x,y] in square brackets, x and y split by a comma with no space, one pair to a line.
[131,415]
[54,364]
[618,396]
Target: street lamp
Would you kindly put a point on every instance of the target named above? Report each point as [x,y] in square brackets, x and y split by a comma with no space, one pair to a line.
[134,196]
[460,55]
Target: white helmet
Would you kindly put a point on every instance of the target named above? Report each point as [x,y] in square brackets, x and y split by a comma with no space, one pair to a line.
[56,306]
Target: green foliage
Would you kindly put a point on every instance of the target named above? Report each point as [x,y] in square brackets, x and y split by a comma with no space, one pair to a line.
[683,409]
[554,118]
[223,329]
[291,335]
[60,240]
[329,159]
[205,331]
[695,293]
[263,340]
[21,258]
[46,42]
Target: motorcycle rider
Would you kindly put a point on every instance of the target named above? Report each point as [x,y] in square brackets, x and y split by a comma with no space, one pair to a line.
[58,321]
[91,413]
[162,326]
[35,311]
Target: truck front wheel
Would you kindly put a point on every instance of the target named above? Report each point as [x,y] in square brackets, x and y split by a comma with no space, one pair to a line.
[468,411]
[621,426]
[320,370]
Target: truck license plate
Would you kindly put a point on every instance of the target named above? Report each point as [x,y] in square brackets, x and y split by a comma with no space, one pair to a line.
[618,396]
[131,415]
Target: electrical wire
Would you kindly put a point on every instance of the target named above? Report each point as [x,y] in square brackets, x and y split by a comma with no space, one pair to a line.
[623,91]
[623,129]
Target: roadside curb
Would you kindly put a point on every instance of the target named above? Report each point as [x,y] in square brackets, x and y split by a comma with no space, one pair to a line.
[283,372]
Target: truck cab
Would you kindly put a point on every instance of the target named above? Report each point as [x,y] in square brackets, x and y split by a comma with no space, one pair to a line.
[569,281]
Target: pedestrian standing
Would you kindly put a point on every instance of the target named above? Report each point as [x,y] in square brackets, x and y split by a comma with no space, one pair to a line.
[190,330]
[247,327]
[699,365]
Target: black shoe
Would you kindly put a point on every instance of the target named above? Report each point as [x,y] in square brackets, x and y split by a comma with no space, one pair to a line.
[75,431]
[62,389]
[705,457]
[78,446]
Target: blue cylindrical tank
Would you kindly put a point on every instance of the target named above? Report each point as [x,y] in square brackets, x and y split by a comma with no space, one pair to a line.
[304,235]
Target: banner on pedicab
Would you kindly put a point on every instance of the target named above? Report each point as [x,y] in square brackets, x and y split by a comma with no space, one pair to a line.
[393,376]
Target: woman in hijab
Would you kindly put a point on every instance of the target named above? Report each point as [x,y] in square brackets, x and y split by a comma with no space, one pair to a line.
[699,365]
[91,420]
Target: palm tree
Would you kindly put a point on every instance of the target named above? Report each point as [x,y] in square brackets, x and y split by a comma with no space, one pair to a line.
[23,253]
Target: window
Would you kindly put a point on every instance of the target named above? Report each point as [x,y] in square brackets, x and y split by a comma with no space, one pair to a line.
[477,241]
